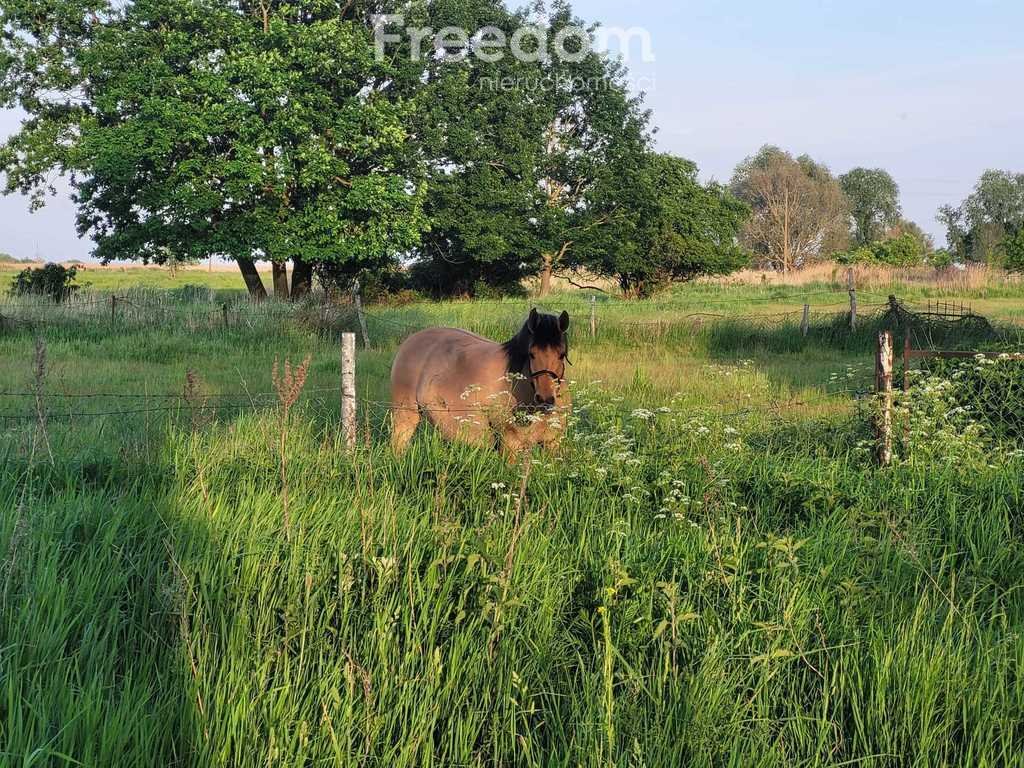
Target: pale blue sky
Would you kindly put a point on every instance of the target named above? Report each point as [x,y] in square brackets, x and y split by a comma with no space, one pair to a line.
[928,90]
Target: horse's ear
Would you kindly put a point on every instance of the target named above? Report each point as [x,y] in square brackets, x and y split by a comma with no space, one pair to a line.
[531,321]
[563,322]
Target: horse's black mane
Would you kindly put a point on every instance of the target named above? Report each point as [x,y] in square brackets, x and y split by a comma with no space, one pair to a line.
[546,333]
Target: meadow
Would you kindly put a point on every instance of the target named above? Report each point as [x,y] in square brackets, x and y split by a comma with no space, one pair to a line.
[713,571]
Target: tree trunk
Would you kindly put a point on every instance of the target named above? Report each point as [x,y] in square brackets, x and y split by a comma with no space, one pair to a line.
[546,272]
[302,278]
[280,280]
[252,279]
[785,237]
[546,269]
[545,278]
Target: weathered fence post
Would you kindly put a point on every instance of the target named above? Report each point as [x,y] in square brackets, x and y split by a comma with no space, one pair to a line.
[906,359]
[883,385]
[852,287]
[113,308]
[907,348]
[358,301]
[348,389]
[805,323]
[593,317]
[224,312]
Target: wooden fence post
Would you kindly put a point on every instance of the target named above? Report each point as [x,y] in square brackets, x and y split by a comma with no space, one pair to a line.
[358,301]
[113,308]
[224,312]
[852,287]
[805,323]
[348,389]
[883,385]
[906,359]
[593,317]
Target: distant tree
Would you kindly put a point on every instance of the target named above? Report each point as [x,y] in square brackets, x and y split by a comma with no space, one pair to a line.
[248,130]
[799,210]
[1013,251]
[907,227]
[874,203]
[664,226]
[991,216]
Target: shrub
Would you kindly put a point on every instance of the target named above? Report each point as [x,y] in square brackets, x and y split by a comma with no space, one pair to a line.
[1013,252]
[53,280]
[903,251]
[941,259]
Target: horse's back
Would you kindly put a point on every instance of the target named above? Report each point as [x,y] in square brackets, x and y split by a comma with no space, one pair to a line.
[437,356]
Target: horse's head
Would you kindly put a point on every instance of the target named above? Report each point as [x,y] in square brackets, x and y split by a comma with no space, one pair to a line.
[547,350]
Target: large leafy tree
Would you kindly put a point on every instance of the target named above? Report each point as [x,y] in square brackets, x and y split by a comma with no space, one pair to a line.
[244,129]
[665,226]
[874,199]
[981,227]
[799,210]
[595,129]
[481,135]
[518,147]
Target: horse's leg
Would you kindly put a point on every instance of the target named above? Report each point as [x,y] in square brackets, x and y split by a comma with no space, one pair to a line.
[405,418]
[515,441]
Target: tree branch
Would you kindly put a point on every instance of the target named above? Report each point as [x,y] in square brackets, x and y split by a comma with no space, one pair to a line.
[573,283]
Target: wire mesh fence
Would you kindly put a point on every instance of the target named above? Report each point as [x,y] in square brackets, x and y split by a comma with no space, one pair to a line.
[949,404]
[831,324]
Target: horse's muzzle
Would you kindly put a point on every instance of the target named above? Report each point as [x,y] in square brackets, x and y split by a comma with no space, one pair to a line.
[546,404]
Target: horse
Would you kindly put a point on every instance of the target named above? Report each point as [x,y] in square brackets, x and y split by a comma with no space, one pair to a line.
[482,392]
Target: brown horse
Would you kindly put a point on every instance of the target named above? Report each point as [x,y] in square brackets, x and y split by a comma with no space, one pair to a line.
[479,391]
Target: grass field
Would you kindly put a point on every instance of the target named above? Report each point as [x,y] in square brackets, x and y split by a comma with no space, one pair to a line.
[123,277]
[713,572]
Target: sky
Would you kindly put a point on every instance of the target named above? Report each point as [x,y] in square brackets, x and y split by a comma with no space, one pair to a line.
[927,89]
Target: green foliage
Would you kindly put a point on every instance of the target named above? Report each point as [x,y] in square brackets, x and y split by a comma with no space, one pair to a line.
[907,227]
[667,227]
[527,153]
[964,412]
[902,251]
[53,280]
[1013,251]
[941,259]
[211,128]
[874,203]
[993,212]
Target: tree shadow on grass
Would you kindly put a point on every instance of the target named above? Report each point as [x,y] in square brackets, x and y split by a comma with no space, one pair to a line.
[92,657]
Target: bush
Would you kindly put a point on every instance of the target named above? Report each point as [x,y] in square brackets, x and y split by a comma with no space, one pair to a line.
[903,251]
[53,280]
[941,259]
[1013,252]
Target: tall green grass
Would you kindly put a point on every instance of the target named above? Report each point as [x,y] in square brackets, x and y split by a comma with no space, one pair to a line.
[708,574]
[674,589]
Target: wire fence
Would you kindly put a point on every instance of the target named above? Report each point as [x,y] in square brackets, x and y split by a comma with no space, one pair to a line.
[785,331]
[46,405]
